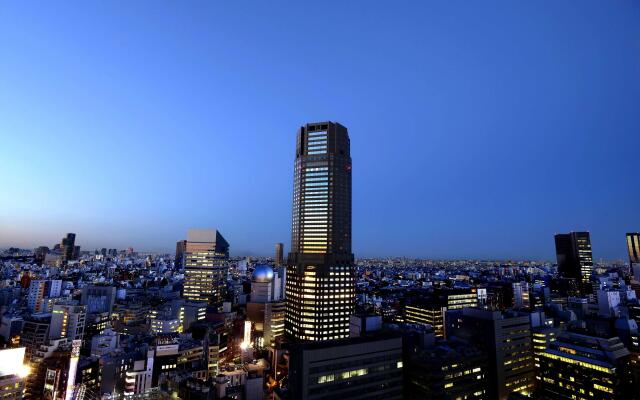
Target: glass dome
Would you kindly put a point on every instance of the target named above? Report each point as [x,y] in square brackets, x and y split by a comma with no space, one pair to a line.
[262,273]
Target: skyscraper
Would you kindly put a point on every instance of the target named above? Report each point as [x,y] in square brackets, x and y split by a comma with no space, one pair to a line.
[575,260]
[633,245]
[320,285]
[181,245]
[279,254]
[205,261]
[68,247]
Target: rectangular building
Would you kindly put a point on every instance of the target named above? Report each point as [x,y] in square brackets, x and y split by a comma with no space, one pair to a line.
[575,258]
[432,309]
[447,371]
[578,366]
[506,338]
[356,368]
[205,262]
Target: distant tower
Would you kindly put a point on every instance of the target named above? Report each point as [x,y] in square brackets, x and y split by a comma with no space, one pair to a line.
[320,283]
[181,245]
[205,261]
[575,259]
[68,247]
[633,245]
[279,254]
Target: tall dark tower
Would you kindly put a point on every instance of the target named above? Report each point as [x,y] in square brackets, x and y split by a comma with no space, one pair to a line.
[320,287]
[279,259]
[68,247]
[181,246]
[575,259]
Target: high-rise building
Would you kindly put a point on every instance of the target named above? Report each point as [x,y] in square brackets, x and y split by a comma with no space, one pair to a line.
[279,260]
[68,247]
[506,339]
[633,245]
[575,259]
[320,287]
[205,260]
[181,245]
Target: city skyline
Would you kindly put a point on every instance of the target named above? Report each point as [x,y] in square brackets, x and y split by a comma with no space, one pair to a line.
[487,145]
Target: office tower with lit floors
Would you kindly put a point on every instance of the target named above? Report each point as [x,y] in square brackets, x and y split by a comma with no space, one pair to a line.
[205,259]
[575,258]
[320,286]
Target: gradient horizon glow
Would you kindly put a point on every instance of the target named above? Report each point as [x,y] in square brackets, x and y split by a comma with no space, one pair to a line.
[478,129]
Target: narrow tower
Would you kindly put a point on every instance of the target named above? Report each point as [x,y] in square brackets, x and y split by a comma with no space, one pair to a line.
[320,286]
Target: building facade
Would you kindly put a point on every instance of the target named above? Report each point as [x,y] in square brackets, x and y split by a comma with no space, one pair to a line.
[356,368]
[506,339]
[320,286]
[431,310]
[575,258]
[578,366]
[205,261]
[67,322]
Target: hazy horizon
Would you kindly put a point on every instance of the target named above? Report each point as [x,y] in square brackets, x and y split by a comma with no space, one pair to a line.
[477,131]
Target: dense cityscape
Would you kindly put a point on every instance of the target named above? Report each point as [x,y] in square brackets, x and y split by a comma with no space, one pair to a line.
[315,322]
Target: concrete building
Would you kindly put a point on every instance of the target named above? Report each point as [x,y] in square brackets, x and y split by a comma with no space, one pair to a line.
[98,299]
[138,380]
[39,291]
[506,339]
[355,368]
[67,322]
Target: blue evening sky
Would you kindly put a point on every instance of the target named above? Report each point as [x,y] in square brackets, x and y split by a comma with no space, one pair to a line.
[478,128]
